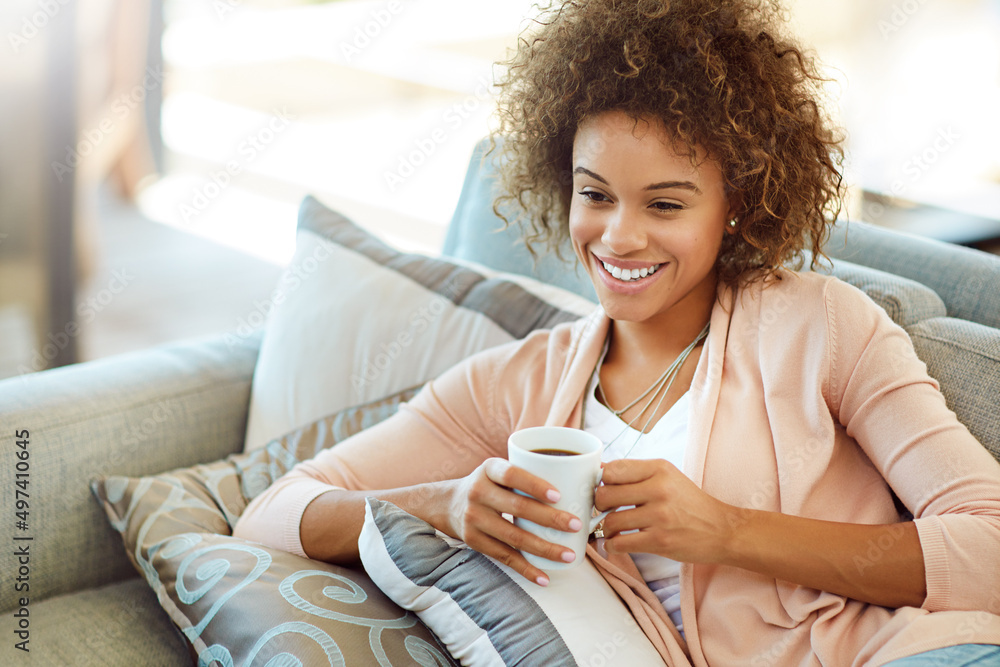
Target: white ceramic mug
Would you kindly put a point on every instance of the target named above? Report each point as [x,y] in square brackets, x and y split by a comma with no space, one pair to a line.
[575,476]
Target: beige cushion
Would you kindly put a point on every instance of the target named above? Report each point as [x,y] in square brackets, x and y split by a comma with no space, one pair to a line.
[353,320]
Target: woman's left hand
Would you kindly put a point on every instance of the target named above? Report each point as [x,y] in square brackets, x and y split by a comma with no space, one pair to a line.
[674,517]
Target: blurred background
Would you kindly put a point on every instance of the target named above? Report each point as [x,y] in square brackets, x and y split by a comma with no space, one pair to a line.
[154,152]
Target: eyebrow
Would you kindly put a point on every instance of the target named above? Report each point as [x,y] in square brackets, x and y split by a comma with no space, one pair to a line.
[664,185]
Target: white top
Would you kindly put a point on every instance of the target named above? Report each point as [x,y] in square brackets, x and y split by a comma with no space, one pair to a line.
[667,440]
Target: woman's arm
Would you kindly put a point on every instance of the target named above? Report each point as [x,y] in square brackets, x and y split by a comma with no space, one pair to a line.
[882,565]
[469,508]
[437,458]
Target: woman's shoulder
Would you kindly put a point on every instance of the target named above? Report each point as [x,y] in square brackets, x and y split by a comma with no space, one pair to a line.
[808,293]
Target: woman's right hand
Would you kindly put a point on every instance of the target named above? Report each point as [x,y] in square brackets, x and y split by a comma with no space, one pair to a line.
[478,500]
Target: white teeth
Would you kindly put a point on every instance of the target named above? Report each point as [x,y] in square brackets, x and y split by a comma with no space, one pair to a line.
[628,275]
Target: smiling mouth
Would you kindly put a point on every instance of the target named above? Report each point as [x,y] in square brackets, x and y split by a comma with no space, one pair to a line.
[629,275]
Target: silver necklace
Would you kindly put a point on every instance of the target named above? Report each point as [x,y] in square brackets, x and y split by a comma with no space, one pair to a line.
[667,378]
[661,387]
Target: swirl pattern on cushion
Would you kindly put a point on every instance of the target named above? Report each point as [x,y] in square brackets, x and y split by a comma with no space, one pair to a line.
[239,603]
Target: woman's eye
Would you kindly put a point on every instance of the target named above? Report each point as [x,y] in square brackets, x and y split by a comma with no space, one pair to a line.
[666,206]
[593,196]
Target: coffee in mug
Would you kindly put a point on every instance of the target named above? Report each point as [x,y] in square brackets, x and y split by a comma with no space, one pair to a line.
[570,460]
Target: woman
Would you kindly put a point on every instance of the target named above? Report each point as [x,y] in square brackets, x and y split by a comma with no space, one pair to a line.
[680,147]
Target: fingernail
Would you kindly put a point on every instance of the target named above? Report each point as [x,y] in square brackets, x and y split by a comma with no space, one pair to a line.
[575,524]
[552,495]
[542,580]
[568,556]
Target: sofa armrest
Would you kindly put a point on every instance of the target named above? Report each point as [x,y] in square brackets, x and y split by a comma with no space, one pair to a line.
[134,414]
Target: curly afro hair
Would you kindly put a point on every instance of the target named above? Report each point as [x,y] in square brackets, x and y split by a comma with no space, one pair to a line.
[718,75]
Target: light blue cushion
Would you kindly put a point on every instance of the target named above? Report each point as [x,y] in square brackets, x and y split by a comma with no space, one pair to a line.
[964,357]
[967,280]
[476,234]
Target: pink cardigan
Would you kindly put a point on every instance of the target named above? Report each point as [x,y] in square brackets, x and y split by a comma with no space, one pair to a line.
[806,400]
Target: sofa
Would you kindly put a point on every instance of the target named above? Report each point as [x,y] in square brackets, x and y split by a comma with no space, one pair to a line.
[86,603]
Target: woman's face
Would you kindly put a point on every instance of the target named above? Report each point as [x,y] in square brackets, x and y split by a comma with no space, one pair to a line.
[644,221]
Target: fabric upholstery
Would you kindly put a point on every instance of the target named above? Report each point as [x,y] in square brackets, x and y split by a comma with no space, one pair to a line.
[355,319]
[964,357]
[133,414]
[117,625]
[967,280]
[236,601]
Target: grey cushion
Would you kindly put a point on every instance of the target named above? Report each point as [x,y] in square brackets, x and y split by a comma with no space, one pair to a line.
[906,301]
[964,357]
[119,625]
[967,280]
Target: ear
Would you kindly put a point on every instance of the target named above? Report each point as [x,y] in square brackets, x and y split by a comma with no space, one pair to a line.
[734,212]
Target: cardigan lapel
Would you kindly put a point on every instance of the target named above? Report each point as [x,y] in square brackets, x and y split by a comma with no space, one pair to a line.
[706,387]
[705,390]
[566,410]
[567,404]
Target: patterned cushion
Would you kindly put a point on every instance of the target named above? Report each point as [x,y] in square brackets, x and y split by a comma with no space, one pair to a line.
[964,358]
[354,319]
[239,603]
[467,598]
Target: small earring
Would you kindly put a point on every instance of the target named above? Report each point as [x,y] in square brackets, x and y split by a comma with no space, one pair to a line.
[732,223]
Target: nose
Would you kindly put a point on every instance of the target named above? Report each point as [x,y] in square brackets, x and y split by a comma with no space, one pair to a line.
[623,234]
